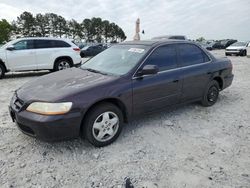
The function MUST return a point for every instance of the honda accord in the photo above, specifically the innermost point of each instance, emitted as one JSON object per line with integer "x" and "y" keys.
{"x": 126, "y": 80}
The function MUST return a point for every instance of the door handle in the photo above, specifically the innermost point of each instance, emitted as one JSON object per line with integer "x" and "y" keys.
{"x": 175, "y": 81}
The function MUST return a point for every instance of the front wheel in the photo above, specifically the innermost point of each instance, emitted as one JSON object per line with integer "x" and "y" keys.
{"x": 2, "y": 71}
{"x": 103, "y": 124}
{"x": 244, "y": 53}
{"x": 211, "y": 94}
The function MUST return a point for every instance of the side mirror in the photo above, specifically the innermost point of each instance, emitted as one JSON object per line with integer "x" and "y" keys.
{"x": 148, "y": 70}
{"x": 10, "y": 48}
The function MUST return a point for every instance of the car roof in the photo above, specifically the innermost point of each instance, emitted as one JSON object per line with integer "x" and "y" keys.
{"x": 42, "y": 38}
{"x": 155, "y": 42}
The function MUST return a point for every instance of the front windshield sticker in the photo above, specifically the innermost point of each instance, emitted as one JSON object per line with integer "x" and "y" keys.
{"x": 136, "y": 50}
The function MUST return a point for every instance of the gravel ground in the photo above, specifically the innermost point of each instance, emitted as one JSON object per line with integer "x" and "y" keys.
{"x": 190, "y": 146}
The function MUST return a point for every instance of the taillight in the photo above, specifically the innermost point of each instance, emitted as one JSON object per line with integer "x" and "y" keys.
{"x": 77, "y": 49}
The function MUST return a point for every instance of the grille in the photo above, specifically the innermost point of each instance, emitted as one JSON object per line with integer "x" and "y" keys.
{"x": 18, "y": 103}
{"x": 231, "y": 50}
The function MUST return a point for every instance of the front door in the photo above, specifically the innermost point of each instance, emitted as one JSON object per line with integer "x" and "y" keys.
{"x": 23, "y": 56}
{"x": 153, "y": 92}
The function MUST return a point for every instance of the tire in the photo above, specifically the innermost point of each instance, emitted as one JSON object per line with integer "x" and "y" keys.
{"x": 103, "y": 124}
{"x": 2, "y": 71}
{"x": 62, "y": 64}
{"x": 211, "y": 94}
{"x": 244, "y": 53}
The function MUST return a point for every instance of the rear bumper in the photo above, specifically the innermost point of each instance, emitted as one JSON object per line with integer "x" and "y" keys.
{"x": 47, "y": 128}
{"x": 228, "y": 81}
{"x": 78, "y": 64}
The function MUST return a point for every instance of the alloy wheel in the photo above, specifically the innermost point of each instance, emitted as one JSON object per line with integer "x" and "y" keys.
{"x": 63, "y": 65}
{"x": 105, "y": 126}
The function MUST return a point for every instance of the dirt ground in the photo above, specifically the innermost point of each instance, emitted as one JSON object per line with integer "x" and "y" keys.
{"x": 190, "y": 146}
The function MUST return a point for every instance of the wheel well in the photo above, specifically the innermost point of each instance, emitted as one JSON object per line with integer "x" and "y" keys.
{"x": 113, "y": 101}
{"x": 220, "y": 81}
{"x": 2, "y": 63}
{"x": 64, "y": 57}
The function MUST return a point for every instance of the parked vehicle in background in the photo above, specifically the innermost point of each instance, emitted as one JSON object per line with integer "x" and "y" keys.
{"x": 90, "y": 51}
{"x": 81, "y": 45}
{"x": 210, "y": 46}
{"x": 126, "y": 80}
{"x": 176, "y": 37}
{"x": 238, "y": 48}
{"x": 37, "y": 53}
{"x": 248, "y": 50}
{"x": 217, "y": 45}
{"x": 226, "y": 43}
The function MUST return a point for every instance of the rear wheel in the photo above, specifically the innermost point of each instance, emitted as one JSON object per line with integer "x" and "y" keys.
{"x": 103, "y": 124}
{"x": 211, "y": 94}
{"x": 2, "y": 71}
{"x": 62, "y": 64}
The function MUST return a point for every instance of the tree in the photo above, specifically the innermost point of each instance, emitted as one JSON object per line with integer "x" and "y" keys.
{"x": 106, "y": 30}
{"x": 74, "y": 29}
{"x": 50, "y": 24}
{"x": 200, "y": 39}
{"x": 87, "y": 30}
{"x": 5, "y": 31}
{"x": 26, "y": 24}
{"x": 42, "y": 25}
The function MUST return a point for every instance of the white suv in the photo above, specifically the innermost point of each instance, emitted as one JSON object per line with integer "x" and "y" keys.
{"x": 26, "y": 54}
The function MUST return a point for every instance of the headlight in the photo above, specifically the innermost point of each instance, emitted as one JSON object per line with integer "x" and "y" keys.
{"x": 49, "y": 108}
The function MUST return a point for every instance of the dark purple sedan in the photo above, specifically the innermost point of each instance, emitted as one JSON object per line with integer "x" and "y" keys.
{"x": 124, "y": 81}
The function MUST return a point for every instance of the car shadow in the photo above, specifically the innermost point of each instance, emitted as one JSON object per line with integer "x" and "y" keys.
{"x": 80, "y": 144}
{"x": 25, "y": 74}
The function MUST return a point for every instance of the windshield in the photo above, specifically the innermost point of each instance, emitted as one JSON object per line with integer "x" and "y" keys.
{"x": 239, "y": 44}
{"x": 117, "y": 60}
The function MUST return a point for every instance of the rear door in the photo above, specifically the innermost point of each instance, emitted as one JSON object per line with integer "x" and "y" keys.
{"x": 44, "y": 52}
{"x": 23, "y": 56}
{"x": 196, "y": 70}
{"x": 153, "y": 92}
{"x": 47, "y": 50}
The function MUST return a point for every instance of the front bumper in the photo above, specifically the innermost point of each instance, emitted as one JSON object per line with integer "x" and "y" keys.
{"x": 47, "y": 128}
{"x": 234, "y": 52}
{"x": 78, "y": 64}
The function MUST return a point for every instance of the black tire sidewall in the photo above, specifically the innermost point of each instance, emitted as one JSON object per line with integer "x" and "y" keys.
{"x": 2, "y": 70}
{"x": 205, "y": 101}
{"x": 90, "y": 119}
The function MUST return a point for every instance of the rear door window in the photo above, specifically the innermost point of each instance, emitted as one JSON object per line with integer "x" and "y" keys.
{"x": 164, "y": 57}
{"x": 43, "y": 44}
{"x": 191, "y": 54}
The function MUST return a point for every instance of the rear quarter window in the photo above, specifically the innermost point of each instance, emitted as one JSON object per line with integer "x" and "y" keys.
{"x": 61, "y": 44}
{"x": 191, "y": 54}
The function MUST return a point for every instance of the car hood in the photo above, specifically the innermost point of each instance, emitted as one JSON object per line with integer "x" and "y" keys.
{"x": 235, "y": 47}
{"x": 57, "y": 86}
{"x": 2, "y": 54}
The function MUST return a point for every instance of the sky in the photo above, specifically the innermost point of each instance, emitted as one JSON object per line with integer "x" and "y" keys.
{"x": 211, "y": 19}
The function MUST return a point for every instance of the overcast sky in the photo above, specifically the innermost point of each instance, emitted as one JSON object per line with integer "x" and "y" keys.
{"x": 193, "y": 18}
